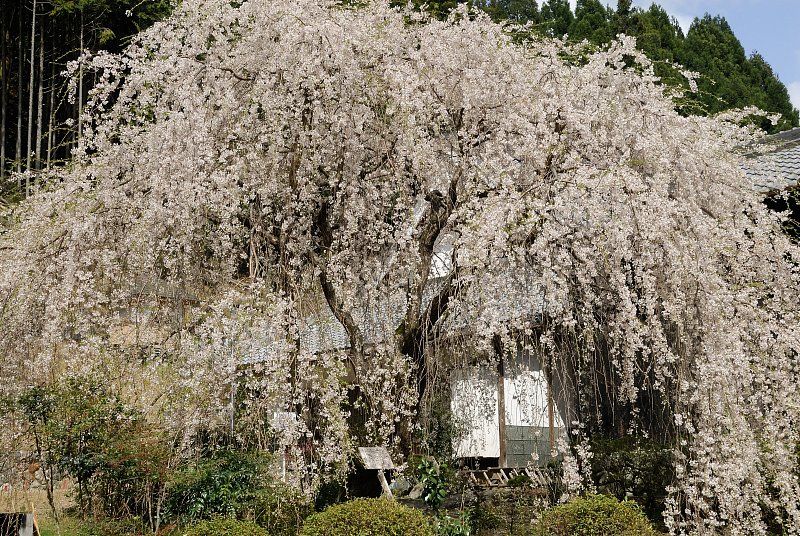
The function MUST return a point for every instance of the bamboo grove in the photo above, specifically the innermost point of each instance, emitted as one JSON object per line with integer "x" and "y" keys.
{"x": 39, "y": 124}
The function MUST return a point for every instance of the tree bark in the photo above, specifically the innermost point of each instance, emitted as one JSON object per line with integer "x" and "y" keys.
{"x": 51, "y": 113}
{"x": 28, "y": 147}
{"x": 3, "y": 98}
{"x": 40, "y": 104}
{"x": 501, "y": 401}
{"x": 18, "y": 154}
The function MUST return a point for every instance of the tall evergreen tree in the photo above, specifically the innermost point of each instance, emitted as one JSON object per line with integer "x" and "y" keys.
{"x": 772, "y": 93}
{"x": 556, "y": 17}
{"x": 623, "y": 20}
{"x": 591, "y": 22}
{"x": 657, "y": 34}
{"x": 520, "y": 11}
{"x": 712, "y": 49}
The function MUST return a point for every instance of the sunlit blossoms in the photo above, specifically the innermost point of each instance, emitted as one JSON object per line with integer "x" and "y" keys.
{"x": 259, "y": 181}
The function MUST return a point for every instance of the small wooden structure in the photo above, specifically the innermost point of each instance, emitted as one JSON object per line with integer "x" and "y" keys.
{"x": 18, "y": 524}
{"x": 498, "y": 477}
{"x": 377, "y": 458}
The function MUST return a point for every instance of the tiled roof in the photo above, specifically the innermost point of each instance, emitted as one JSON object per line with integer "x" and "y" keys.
{"x": 776, "y": 163}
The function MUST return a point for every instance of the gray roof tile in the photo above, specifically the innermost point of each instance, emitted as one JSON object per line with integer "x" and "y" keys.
{"x": 775, "y": 164}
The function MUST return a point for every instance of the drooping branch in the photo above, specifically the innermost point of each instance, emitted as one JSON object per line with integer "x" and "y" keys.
{"x": 323, "y": 229}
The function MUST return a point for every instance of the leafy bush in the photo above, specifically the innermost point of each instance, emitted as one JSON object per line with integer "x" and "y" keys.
{"x": 519, "y": 481}
{"x": 461, "y": 525}
{"x": 82, "y": 429}
{"x": 280, "y": 508}
{"x": 434, "y": 477}
{"x": 235, "y": 484}
{"x": 509, "y": 510}
{"x": 218, "y": 485}
{"x": 368, "y": 517}
{"x": 221, "y": 526}
{"x": 636, "y": 468}
{"x": 595, "y": 515}
{"x": 486, "y": 518}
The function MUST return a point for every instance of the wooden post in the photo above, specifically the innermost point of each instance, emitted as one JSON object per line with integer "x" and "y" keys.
{"x": 550, "y": 410}
{"x": 501, "y": 402}
{"x": 387, "y": 491}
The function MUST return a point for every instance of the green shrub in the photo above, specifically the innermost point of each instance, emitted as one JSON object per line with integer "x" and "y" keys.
{"x": 84, "y": 430}
{"x": 222, "y": 526}
{"x": 486, "y": 518}
{"x": 435, "y": 479}
{"x": 460, "y": 525}
{"x": 509, "y": 510}
{"x": 368, "y": 517}
{"x": 217, "y": 485}
{"x": 634, "y": 467}
{"x": 279, "y": 508}
{"x": 595, "y": 515}
{"x": 235, "y": 484}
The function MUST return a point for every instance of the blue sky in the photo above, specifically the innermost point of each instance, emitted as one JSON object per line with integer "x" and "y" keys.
{"x": 771, "y": 27}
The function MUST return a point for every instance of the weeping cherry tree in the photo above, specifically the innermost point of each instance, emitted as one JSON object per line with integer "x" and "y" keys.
{"x": 433, "y": 191}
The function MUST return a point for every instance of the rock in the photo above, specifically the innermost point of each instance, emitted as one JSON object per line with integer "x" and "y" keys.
{"x": 417, "y": 491}
{"x": 400, "y": 486}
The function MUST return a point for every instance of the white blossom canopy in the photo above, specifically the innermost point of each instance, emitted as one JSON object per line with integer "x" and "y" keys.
{"x": 252, "y": 170}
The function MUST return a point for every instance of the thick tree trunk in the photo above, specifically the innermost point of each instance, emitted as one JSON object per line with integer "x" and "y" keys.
{"x": 501, "y": 411}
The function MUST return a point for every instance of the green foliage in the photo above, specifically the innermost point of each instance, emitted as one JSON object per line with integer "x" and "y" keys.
{"x": 486, "y": 518}
{"x": 509, "y": 510}
{"x": 460, "y": 525}
{"x": 441, "y": 429}
{"x": 368, "y": 517}
{"x": 519, "y": 11}
{"x": 329, "y": 493}
{"x": 222, "y": 526}
{"x": 280, "y": 508}
{"x": 219, "y": 485}
{"x": 591, "y": 23}
{"x": 435, "y": 482}
{"x": 105, "y": 20}
{"x": 594, "y": 515}
{"x": 84, "y": 431}
{"x": 557, "y": 18}
{"x": 519, "y": 481}
{"x": 234, "y": 484}
{"x": 634, "y": 468}
{"x": 729, "y": 79}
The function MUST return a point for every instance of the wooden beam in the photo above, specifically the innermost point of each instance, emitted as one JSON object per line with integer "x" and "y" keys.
{"x": 501, "y": 403}
{"x": 550, "y": 410}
